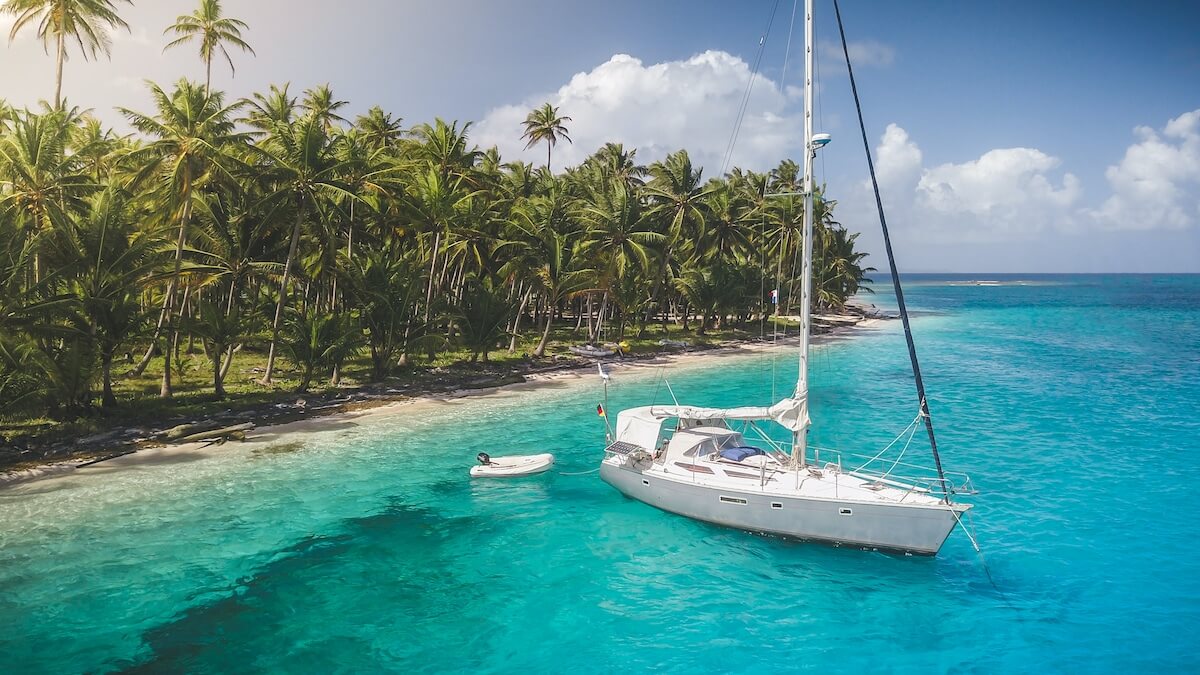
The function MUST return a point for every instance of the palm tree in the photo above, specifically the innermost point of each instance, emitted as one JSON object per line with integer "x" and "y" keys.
{"x": 220, "y": 331}
{"x": 544, "y": 124}
{"x": 482, "y": 318}
{"x": 435, "y": 201}
{"x": 378, "y": 128}
{"x": 320, "y": 102}
{"x": 213, "y": 32}
{"x": 548, "y": 244}
{"x": 619, "y": 238}
{"x": 46, "y": 185}
{"x": 385, "y": 287}
{"x": 85, "y": 21}
{"x": 444, "y": 146}
{"x": 300, "y": 160}
{"x": 275, "y": 107}
{"x": 679, "y": 207}
{"x": 320, "y": 340}
{"x": 193, "y": 145}
{"x": 109, "y": 261}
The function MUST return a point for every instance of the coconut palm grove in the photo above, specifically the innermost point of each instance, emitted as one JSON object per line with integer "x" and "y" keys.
{"x": 247, "y": 249}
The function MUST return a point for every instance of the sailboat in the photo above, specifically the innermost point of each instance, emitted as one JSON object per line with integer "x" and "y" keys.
{"x": 725, "y": 466}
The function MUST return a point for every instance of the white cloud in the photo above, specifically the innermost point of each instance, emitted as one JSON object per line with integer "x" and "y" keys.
{"x": 1155, "y": 184}
{"x": 658, "y": 108}
{"x": 137, "y": 36}
{"x": 1008, "y": 188}
{"x": 898, "y": 160}
{"x": 865, "y": 54}
{"x": 130, "y": 83}
{"x": 1003, "y": 193}
{"x": 1011, "y": 193}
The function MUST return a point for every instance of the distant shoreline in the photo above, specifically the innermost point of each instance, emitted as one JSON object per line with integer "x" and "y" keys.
{"x": 278, "y": 419}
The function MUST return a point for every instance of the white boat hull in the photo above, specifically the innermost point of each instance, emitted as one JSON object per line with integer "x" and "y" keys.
{"x": 511, "y": 467}
{"x": 907, "y": 528}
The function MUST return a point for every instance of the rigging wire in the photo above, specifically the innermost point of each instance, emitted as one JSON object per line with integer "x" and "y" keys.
{"x": 741, "y": 115}
{"x": 912, "y": 348}
{"x": 887, "y": 244}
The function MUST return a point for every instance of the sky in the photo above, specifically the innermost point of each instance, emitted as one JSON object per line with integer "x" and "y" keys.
{"x": 1015, "y": 136}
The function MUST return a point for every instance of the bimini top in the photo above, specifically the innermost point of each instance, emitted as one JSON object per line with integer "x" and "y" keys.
{"x": 641, "y": 425}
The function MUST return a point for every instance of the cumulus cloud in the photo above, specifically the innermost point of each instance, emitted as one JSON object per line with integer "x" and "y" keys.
{"x": 1155, "y": 183}
{"x": 659, "y": 108}
{"x": 898, "y": 160}
{"x": 867, "y": 53}
{"x": 1010, "y": 188}
{"x": 1003, "y": 192}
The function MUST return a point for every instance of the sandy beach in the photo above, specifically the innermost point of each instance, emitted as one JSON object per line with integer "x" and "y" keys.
{"x": 302, "y": 419}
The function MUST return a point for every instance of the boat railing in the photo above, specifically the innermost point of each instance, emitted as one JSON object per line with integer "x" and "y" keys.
{"x": 895, "y": 473}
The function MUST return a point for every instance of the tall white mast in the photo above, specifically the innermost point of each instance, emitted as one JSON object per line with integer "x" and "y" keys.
{"x": 800, "y": 438}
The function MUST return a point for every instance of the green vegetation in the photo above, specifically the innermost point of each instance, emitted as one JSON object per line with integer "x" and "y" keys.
{"x": 247, "y": 249}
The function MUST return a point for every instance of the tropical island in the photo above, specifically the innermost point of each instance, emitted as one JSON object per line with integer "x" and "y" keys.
{"x": 236, "y": 253}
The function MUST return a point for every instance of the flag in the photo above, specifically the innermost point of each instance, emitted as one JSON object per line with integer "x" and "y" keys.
{"x": 774, "y": 296}
{"x": 600, "y": 410}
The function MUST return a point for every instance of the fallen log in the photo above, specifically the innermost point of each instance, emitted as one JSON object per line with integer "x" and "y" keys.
{"x": 177, "y": 432}
{"x": 237, "y": 431}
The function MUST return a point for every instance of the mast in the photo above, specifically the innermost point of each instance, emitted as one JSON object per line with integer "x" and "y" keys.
{"x": 800, "y": 438}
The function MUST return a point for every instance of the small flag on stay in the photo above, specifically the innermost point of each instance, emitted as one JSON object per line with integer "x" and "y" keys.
{"x": 774, "y": 296}
{"x": 600, "y": 410}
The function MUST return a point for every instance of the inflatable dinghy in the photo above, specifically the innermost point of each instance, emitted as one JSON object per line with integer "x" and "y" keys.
{"x": 508, "y": 467}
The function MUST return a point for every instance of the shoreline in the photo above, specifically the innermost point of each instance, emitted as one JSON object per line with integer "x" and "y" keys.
{"x": 138, "y": 445}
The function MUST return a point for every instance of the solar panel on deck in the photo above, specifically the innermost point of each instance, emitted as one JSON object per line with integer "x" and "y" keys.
{"x": 622, "y": 448}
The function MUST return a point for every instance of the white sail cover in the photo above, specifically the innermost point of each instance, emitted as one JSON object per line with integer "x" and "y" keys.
{"x": 641, "y": 426}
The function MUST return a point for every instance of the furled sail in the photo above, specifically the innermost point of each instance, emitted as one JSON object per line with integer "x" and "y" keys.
{"x": 641, "y": 425}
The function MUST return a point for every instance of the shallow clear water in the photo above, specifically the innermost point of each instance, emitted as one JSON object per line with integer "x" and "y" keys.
{"x": 1072, "y": 403}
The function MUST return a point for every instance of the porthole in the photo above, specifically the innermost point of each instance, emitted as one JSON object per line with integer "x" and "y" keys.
{"x": 732, "y": 500}
{"x": 645, "y": 482}
{"x": 845, "y": 511}
{"x": 776, "y": 505}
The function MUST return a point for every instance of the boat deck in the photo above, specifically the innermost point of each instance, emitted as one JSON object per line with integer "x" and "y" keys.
{"x": 828, "y": 482}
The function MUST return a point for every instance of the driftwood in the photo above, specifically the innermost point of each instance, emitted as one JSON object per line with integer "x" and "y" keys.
{"x": 236, "y": 432}
{"x": 177, "y": 432}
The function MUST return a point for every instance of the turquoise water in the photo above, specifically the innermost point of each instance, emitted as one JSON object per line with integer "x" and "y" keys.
{"x": 1072, "y": 403}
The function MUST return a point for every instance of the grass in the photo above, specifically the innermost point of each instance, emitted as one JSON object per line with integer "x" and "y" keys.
{"x": 139, "y": 403}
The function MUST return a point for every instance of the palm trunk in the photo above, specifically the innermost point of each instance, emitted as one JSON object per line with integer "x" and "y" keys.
{"x": 578, "y": 317}
{"x": 658, "y": 284}
{"x": 218, "y": 373}
{"x": 306, "y": 379}
{"x": 58, "y": 69}
{"x": 108, "y": 399}
{"x": 591, "y": 324}
{"x": 599, "y": 325}
{"x": 287, "y": 274}
{"x": 512, "y": 344}
{"x": 229, "y": 352}
{"x": 541, "y": 348}
{"x": 437, "y": 242}
{"x": 168, "y": 303}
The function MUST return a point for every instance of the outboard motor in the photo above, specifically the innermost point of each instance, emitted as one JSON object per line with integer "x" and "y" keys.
{"x": 484, "y": 458}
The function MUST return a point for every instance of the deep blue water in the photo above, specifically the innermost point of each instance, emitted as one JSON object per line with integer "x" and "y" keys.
{"x": 1072, "y": 401}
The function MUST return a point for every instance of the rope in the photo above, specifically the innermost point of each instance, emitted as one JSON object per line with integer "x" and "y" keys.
{"x": 987, "y": 571}
{"x": 737, "y": 122}
{"x": 899, "y": 457}
{"x": 911, "y": 425}
{"x": 887, "y": 243}
{"x": 578, "y": 473}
